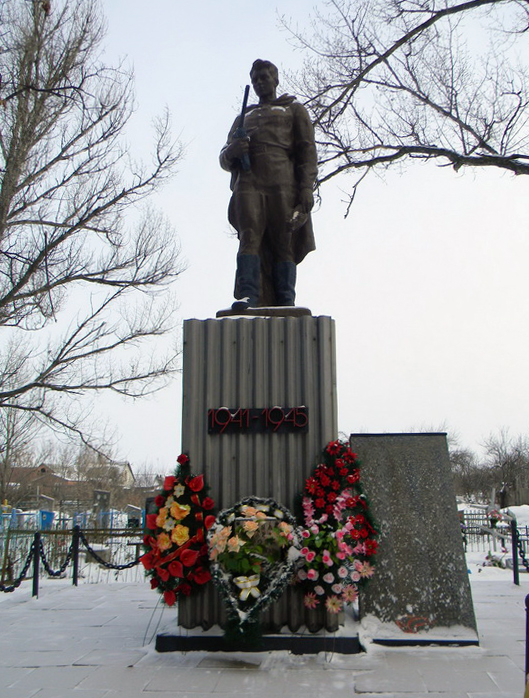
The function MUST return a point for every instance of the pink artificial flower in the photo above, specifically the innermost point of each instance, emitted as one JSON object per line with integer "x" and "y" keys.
{"x": 312, "y": 574}
{"x": 326, "y": 559}
{"x": 355, "y": 576}
{"x": 328, "y": 578}
{"x": 333, "y": 604}
{"x": 349, "y": 593}
{"x": 304, "y": 551}
{"x": 319, "y": 590}
{"x": 314, "y": 529}
{"x": 302, "y": 575}
{"x": 310, "y": 600}
{"x": 342, "y": 572}
{"x": 337, "y": 588}
{"x": 305, "y": 533}
{"x": 365, "y": 569}
{"x": 310, "y": 556}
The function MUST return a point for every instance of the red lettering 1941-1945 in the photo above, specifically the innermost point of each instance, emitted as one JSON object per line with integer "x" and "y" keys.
{"x": 223, "y": 420}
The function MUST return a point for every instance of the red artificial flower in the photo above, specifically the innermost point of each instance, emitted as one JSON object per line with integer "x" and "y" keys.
{"x": 147, "y": 560}
{"x": 176, "y": 569}
{"x": 163, "y": 574}
{"x": 182, "y": 459}
{"x": 168, "y": 483}
{"x": 159, "y": 500}
{"x": 209, "y": 521}
{"x": 184, "y": 588}
{"x": 196, "y": 483}
{"x": 325, "y": 480}
{"x": 195, "y": 499}
{"x": 329, "y": 508}
{"x": 335, "y": 485}
{"x": 353, "y": 477}
{"x": 334, "y": 448}
{"x": 208, "y": 503}
{"x": 154, "y": 583}
{"x": 319, "y": 503}
{"x": 344, "y": 472}
{"x": 371, "y": 547}
{"x": 150, "y": 540}
{"x": 200, "y": 535}
{"x": 150, "y": 521}
{"x": 311, "y": 485}
{"x": 331, "y": 497}
{"x": 189, "y": 557}
{"x": 202, "y": 576}
{"x": 349, "y": 456}
{"x": 364, "y": 532}
{"x": 199, "y": 516}
{"x": 169, "y": 597}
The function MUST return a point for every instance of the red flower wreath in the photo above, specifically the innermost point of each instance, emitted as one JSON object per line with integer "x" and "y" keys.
{"x": 177, "y": 552}
{"x": 339, "y": 534}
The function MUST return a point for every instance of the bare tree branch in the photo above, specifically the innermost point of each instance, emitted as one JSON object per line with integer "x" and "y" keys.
{"x": 70, "y": 231}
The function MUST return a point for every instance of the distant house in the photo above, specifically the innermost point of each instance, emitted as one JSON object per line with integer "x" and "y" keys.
{"x": 33, "y": 483}
{"x": 29, "y": 485}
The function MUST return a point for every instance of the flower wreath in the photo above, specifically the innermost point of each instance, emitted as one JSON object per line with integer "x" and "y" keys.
{"x": 339, "y": 535}
{"x": 253, "y": 551}
{"x": 177, "y": 552}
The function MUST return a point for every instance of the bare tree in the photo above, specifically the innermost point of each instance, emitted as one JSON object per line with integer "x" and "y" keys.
{"x": 73, "y": 242}
{"x": 508, "y": 460}
{"x": 390, "y": 80}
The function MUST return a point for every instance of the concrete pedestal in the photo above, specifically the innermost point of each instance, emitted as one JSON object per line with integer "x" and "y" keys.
{"x": 257, "y": 363}
{"x": 420, "y": 592}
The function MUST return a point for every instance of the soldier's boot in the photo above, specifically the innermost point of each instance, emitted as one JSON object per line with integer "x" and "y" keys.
{"x": 284, "y": 279}
{"x": 248, "y": 281}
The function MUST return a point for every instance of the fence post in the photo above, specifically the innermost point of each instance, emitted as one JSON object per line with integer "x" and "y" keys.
{"x": 75, "y": 554}
{"x": 36, "y": 561}
{"x": 526, "y": 638}
{"x": 514, "y": 543}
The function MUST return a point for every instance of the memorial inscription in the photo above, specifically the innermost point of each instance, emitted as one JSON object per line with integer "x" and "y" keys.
{"x": 257, "y": 420}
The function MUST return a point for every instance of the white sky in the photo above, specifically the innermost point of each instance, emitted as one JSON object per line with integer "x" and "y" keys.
{"x": 427, "y": 278}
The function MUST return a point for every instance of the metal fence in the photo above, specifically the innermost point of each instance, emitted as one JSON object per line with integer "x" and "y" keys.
{"x": 86, "y": 555}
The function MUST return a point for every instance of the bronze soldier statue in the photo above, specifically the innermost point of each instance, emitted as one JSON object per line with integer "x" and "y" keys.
{"x": 273, "y": 171}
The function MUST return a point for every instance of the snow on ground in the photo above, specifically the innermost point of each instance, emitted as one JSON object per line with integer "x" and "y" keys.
{"x": 97, "y": 641}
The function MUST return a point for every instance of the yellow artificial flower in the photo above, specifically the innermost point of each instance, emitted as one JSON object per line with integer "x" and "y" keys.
{"x": 179, "y": 490}
{"x": 235, "y": 544}
{"x": 180, "y": 534}
{"x": 250, "y": 527}
{"x": 285, "y": 528}
{"x": 164, "y": 542}
{"x": 162, "y": 515}
{"x": 179, "y": 511}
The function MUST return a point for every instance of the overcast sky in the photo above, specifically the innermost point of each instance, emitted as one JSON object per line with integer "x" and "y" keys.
{"x": 426, "y": 279}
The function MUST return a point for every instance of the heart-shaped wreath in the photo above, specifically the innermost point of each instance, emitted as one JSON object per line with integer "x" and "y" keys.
{"x": 254, "y": 548}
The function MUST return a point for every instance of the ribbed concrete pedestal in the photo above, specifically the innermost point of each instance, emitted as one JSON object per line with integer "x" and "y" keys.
{"x": 420, "y": 592}
{"x": 257, "y": 362}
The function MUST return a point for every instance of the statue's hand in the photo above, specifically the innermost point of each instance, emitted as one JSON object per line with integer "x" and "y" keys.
{"x": 237, "y": 148}
{"x": 306, "y": 200}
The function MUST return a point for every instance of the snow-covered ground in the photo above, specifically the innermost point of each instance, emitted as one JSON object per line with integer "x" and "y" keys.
{"x": 97, "y": 641}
